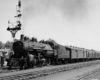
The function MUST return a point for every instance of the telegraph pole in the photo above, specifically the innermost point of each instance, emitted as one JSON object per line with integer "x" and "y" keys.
{"x": 15, "y": 28}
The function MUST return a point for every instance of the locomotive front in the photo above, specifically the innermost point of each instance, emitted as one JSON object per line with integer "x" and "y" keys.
{"x": 18, "y": 47}
{"x": 40, "y": 51}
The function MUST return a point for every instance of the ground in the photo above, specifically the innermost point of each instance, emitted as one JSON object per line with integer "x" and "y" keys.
{"x": 69, "y": 75}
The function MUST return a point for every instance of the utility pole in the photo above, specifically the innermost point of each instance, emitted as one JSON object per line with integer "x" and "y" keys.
{"x": 15, "y": 28}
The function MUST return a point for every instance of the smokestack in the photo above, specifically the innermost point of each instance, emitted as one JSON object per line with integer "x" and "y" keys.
{"x": 22, "y": 37}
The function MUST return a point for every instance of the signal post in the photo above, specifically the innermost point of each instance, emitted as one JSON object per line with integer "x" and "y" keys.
{"x": 15, "y": 28}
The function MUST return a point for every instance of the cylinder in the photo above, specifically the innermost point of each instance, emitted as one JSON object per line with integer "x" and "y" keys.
{"x": 22, "y": 37}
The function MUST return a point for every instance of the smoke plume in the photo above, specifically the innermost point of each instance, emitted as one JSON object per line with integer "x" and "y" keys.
{"x": 69, "y": 8}
{"x": 67, "y": 21}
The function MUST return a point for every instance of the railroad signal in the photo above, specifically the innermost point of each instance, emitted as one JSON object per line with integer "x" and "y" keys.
{"x": 16, "y": 27}
{"x": 19, "y": 3}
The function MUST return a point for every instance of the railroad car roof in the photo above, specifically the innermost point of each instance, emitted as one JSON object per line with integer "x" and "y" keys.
{"x": 83, "y": 49}
{"x": 76, "y": 48}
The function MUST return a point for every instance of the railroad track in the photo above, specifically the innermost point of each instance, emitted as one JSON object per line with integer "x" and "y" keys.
{"x": 44, "y": 72}
{"x": 7, "y": 71}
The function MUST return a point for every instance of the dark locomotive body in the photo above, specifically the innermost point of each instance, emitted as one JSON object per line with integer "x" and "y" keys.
{"x": 27, "y": 52}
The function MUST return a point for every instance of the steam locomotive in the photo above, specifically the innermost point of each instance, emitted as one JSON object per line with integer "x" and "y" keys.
{"x": 28, "y": 53}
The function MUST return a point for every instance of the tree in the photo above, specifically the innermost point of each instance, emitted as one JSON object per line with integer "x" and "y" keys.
{"x": 1, "y": 45}
{"x": 8, "y": 45}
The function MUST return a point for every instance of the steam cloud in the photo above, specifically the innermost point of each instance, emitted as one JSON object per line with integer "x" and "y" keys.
{"x": 69, "y": 8}
{"x": 74, "y": 20}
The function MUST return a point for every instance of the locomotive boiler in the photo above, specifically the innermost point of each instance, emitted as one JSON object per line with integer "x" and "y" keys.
{"x": 29, "y": 53}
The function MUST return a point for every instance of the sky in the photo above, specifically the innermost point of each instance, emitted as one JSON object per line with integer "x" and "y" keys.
{"x": 68, "y": 22}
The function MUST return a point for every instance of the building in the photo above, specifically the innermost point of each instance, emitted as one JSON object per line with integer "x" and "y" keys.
{"x": 3, "y": 55}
